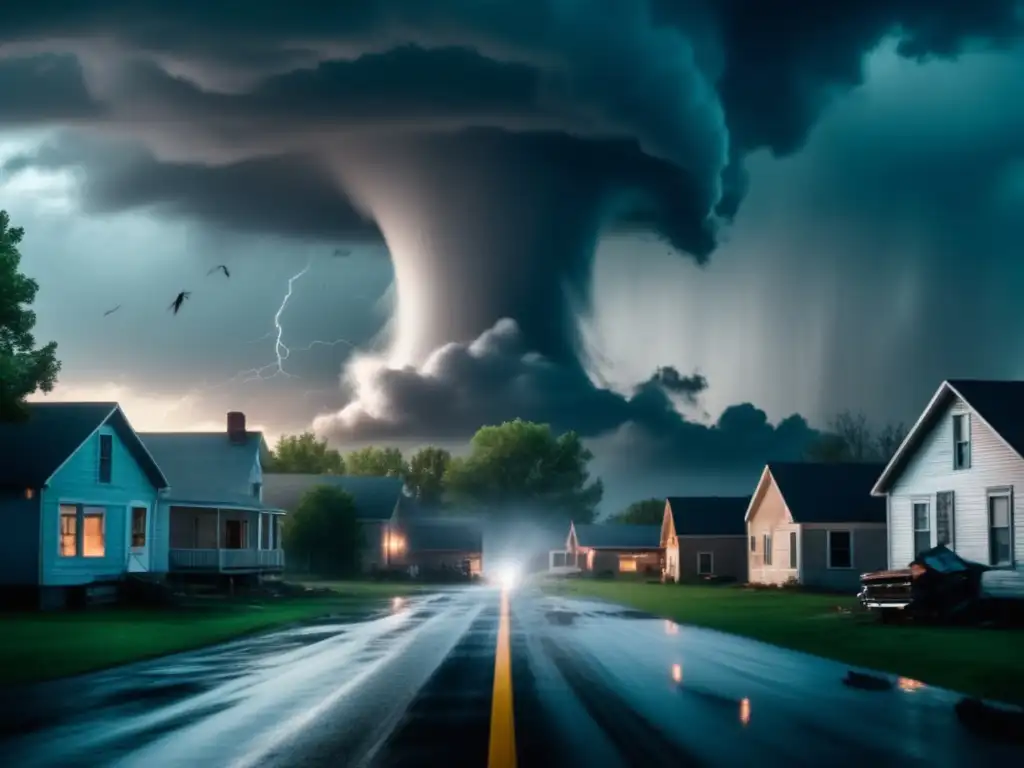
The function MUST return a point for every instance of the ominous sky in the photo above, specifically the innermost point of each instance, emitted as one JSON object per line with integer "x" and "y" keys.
{"x": 671, "y": 226}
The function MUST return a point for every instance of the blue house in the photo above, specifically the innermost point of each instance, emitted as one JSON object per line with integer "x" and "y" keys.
{"x": 78, "y": 494}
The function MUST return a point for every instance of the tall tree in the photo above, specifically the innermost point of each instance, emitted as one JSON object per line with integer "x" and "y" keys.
{"x": 323, "y": 534}
{"x": 380, "y": 462}
{"x": 524, "y": 467}
{"x": 306, "y": 454}
{"x": 23, "y": 368}
{"x": 850, "y": 438}
{"x": 425, "y": 478}
{"x": 646, "y": 512}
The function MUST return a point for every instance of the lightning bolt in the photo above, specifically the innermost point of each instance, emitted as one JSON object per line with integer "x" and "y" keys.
{"x": 282, "y": 352}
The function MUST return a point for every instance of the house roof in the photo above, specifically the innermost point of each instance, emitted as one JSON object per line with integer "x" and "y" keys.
{"x": 376, "y": 497}
{"x": 618, "y": 536}
{"x": 206, "y": 468}
{"x": 997, "y": 403}
{"x": 708, "y": 515}
{"x": 31, "y": 451}
{"x": 444, "y": 534}
{"x": 817, "y": 492}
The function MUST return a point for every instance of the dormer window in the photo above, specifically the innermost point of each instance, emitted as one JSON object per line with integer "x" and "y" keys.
{"x": 961, "y": 441}
{"x": 106, "y": 458}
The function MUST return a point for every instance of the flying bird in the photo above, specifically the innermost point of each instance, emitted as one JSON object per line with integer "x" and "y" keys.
{"x": 222, "y": 268}
{"x": 341, "y": 252}
{"x": 111, "y": 311}
{"x": 179, "y": 300}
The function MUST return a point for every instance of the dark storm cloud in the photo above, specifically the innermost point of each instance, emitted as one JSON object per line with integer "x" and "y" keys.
{"x": 44, "y": 89}
{"x": 689, "y": 387}
{"x": 462, "y": 387}
{"x": 489, "y": 142}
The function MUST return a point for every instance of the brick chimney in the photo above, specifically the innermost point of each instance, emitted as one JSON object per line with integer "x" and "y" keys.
{"x": 236, "y": 427}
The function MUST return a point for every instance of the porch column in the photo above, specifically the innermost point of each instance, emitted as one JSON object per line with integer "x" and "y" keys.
{"x": 259, "y": 531}
{"x": 219, "y": 564}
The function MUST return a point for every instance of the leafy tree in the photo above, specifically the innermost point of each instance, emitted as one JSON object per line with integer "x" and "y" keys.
{"x": 380, "y": 462}
{"x": 646, "y": 512}
{"x": 850, "y": 438}
{"x": 323, "y": 534}
{"x": 525, "y": 467}
{"x": 425, "y": 477}
{"x": 23, "y": 369}
{"x": 305, "y": 454}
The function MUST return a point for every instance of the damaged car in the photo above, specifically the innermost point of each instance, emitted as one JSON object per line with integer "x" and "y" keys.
{"x": 941, "y": 586}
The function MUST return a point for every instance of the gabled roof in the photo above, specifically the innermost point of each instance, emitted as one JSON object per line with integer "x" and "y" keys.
{"x": 441, "y": 534}
{"x": 206, "y": 468}
{"x": 376, "y": 498}
{"x": 708, "y": 515}
{"x": 999, "y": 404}
{"x": 31, "y": 451}
{"x": 618, "y": 536}
{"x": 817, "y": 492}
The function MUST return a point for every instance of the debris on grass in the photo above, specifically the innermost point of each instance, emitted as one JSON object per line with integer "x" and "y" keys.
{"x": 866, "y": 682}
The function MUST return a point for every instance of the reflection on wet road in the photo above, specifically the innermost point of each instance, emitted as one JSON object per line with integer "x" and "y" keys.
{"x": 591, "y": 685}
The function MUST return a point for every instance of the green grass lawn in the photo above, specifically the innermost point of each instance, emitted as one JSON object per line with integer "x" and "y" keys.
{"x": 46, "y": 645}
{"x": 983, "y": 662}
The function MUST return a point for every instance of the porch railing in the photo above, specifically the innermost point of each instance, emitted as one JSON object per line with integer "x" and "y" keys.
{"x": 225, "y": 559}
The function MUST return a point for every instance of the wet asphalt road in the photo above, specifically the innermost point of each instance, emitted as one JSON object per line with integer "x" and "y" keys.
{"x": 592, "y": 685}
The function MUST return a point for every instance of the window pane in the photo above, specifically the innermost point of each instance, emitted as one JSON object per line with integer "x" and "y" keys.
{"x": 753, "y": 543}
{"x": 68, "y": 545}
{"x": 704, "y": 563}
{"x": 138, "y": 526}
{"x": 999, "y": 508}
{"x": 958, "y": 428}
{"x": 839, "y": 549}
{"x": 93, "y": 544}
{"x": 1001, "y": 546}
{"x": 963, "y": 455}
{"x": 921, "y": 521}
{"x": 792, "y": 549}
{"x": 944, "y": 518}
{"x": 922, "y": 542}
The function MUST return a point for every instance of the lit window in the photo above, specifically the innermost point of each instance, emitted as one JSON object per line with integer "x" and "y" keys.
{"x": 93, "y": 542}
{"x": 68, "y": 530}
{"x": 627, "y": 564}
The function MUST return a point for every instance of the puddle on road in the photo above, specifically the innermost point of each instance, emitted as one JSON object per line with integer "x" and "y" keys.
{"x": 560, "y": 618}
{"x": 156, "y": 694}
{"x": 626, "y": 614}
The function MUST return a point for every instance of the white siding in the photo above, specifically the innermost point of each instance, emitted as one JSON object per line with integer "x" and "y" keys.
{"x": 930, "y": 470}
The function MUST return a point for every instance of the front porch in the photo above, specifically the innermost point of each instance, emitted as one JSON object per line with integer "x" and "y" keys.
{"x": 213, "y": 540}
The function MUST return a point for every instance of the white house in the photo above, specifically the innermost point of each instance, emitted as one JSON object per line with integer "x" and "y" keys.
{"x": 958, "y": 476}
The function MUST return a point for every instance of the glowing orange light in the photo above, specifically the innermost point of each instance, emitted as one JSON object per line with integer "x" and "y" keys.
{"x": 29, "y": 494}
{"x": 909, "y": 685}
{"x": 671, "y": 628}
{"x": 677, "y": 672}
{"x": 745, "y": 711}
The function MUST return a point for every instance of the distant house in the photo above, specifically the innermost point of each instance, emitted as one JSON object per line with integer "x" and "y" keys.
{"x": 615, "y": 548}
{"x": 213, "y": 519}
{"x": 704, "y": 536}
{"x": 954, "y": 479}
{"x": 816, "y": 524}
{"x": 379, "y": 501}
{"x": 433, "y": 543}
{"x": 78, "y": 495}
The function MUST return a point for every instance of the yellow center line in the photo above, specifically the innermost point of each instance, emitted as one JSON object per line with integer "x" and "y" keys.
{"x": 502, "y": 753}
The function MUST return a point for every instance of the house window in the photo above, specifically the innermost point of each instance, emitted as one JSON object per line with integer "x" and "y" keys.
{"x": 1000, "y": 529}
{"x": 922, "y": 528}
{"x": 68, "y": 530}
{"x": 792, "y": 549}
{"x": 840, "y": 549}
{"x": 753, "y": 543}
{"x": 257, "y": 490}
{"x": 767, "y": 549}
{"x": 138, "y": 527}
{"x": 705, "y": 563}
{"x": 944, "y": 518}
{"x": 962, "y": 441}
{"x": 93, "y": 533}
{"x": 106, "y": 457}
{"x": 627, "y": 564}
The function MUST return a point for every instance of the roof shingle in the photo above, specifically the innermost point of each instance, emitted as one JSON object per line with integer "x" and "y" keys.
{"x": 830, "y": 493}
{"x": 709, "y": 515}
{"x": 376, "y": 498}
{"x": 618, "y": 536}
{"x": 444, "y": 534}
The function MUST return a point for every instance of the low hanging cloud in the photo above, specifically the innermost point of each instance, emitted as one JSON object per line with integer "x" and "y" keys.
{"x": 461, "y": 387}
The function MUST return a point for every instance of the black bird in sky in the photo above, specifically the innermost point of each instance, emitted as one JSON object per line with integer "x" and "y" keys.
{"x": 111, "y": 311}
{"x": 341, "y": 252}
{"x": 222, "y": 268}
{"x": 179, "y": 300}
